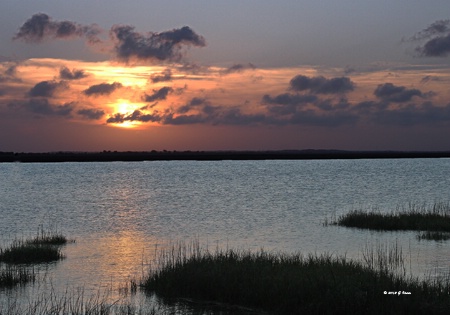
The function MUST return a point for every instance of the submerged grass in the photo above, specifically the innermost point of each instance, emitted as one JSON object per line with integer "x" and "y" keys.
{"x": 294, "y": 284}
{"x": 416, "y": 217}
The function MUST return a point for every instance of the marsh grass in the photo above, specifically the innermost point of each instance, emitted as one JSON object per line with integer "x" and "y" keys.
{"x": 416, "y": 217}
{"x": 77, "y": 301}
{"x": 12, "y": 276}
{"x": 44, "y": 237}
{"x": 24, "y": 253}
{"x": 385, "y": 257}
{"x": 295, "y": 284}
{"x": 44, "y": 247}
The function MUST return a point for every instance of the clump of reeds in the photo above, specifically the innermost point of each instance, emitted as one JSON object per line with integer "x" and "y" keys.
{"x": 44, "y": 237}
{"x": 293, "y": 284}
{"x": 44, "y": 247}
{"x": 12, "y": 276}
{"x": 25, "y": 253}
{"x": 416, "y": 217}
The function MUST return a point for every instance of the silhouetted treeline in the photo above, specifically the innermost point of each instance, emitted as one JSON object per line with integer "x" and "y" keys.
{"x": 108, "y": 156}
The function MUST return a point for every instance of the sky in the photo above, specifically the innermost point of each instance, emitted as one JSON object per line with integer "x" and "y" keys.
{"x": 224, "y": 75}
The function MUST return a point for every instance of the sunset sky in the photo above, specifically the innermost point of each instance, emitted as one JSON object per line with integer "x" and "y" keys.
{"x": 224, "y": 75}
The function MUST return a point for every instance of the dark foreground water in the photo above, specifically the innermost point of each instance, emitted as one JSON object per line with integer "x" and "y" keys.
{"x": 120, "y": 212}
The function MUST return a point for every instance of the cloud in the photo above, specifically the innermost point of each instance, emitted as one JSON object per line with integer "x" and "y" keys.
{"x": 130, "y": 44}
{"x": 43, "y": 107}
{"x": 437, "y": 37}
{"x": 239, "y": 68}
{"x": 435, "y": 47}
{"x": 284, "y": 104}
{"x": 47, "y": 88}
{"x": 193, "y": 103}
{"x": 321, "y": 85}
{"x": 102, "y": 88}
{"x": 429, "y": 78}
{"x": 9, "y": 73}
{"x": 311, "y": 117}
{"x": 40, "y": 27}
{"x": 413, "y": 114}
{"x": 165, "y": 76}
{"x": 91, "y": 114}
{"x": 436, "y": 28}
{"x": 160, "y": 94}
{"x": 66, "y": 74}
{"x": 391, "y": 93}
{"x": 137, "y": 115}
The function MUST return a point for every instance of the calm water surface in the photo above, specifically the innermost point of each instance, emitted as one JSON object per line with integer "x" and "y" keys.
{"x": 120, "y": 212}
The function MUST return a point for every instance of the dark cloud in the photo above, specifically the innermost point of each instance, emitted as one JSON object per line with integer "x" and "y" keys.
{"x": 160, "y": 94}
{"x": 165, "y": 76}
{"x": 130, "y": 44}
{"x": 334, "y": 119}
{"x": 234, "y": 116}
{"x": 40, "y": 26}
{"x": 193, "y": 103}
{"x": 322, "y": 85}
{"x": 308, "y": 109}
{"x": 102, "y": 88}
{"x": 435, "y": 47}
{"x": 137, "y": 115}
{"x": 430, "y": 78}
{"x": 437, "y": 37}
{"x": 399, "y": 94}
{"x": 437, "y": 28}
{"x": 239, "y": 68}
{"x": 184, "y": 119}
{"x": 47, "y": 88}
{"x": 217, "y": 115}
{"x": 92, "y": 114}
{"x": 192, "y": 68}
{"x": 413, "y": 114}
{"x": 284, "y": 104}
{"x": 9, "y": 74}
{"x": 66, "y": 74}
{"x": 43, "y": 107}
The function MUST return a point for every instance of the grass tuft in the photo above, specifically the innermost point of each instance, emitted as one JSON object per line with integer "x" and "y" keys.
{"x": 416, "y": 218}
{"x": 24, "y": 253}
{"x": 294, "y": 284}
{"x": 48, "y": 238}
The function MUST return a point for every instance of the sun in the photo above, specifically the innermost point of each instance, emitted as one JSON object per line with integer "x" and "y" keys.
{"x": 125, "y": 108}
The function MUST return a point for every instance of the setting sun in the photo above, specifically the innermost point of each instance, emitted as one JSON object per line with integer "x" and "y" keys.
{"x": 125, "y": 108}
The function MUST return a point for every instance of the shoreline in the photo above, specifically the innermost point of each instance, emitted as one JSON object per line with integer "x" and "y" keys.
{"x": 130, "y": 156}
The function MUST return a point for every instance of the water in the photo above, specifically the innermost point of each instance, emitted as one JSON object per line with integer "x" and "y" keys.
{"x": 120, "y": 212}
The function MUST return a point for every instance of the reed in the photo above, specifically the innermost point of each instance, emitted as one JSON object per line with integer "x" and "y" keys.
{"x": 416, "y": 217}
{"x": 25, "y": 253}
{"x": 12, "y": 276}
{"x": 44, "y": 237}
{"x": 295, "y": 284}
{"x": 75, "y": 301}
{"x": 433, "y": 235}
